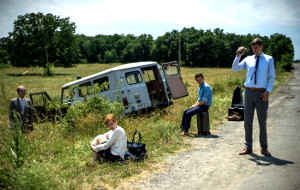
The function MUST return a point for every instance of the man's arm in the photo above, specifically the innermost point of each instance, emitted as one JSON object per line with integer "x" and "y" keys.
{"x": 11, "y": 108}
{"x": 271, "y": 73}
{"x": 197, "y": 104}
{"x": 30, "y": 112}
{"x": 237, "y": 65}
{"x": 206, "y": 94}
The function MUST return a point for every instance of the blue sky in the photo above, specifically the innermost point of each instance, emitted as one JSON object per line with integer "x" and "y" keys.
{"x": 156, "y": 17}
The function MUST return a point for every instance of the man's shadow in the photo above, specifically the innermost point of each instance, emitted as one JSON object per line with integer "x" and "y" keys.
{"x": 268, "y": 160}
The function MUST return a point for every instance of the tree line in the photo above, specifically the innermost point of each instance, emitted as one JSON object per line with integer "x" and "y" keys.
{"x": 38, "y": 40}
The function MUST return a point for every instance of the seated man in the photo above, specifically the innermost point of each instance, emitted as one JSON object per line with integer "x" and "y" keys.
{"x": 202, "y": 104}
{"x": 111, "y": 146}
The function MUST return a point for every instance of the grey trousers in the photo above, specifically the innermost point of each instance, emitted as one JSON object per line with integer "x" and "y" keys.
{"x": 252, "y": 102}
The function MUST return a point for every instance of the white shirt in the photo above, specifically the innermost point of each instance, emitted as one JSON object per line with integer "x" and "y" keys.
{"x": 22, "y": 102}
{"x": 117, "y": 141}
{"x": 265, "y": 71}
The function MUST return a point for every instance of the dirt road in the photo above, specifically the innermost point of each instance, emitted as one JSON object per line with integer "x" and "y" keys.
{"x": 215, "y": 163}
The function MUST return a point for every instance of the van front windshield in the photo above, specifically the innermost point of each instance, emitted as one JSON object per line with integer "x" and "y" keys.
{"x": 68, "y": 94}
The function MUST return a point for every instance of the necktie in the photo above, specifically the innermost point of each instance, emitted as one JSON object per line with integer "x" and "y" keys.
{"x": 256, "y": 66}
{"x": 23, "y": 105}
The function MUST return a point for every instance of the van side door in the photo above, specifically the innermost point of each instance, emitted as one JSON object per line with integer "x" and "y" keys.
{"x": 174, "y": 79}
{"x": 137, "y": 92}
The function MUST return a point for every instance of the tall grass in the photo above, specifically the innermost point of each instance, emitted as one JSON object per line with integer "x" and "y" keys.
{"x": 58, "y": 154}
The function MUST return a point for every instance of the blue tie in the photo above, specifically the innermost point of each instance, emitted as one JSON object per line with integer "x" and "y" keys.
{"x": 256, "y": 66}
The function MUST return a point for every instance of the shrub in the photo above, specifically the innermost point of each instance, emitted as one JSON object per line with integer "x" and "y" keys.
{"x": 92, "y": 105}
{"x": 233, "y": 82}
{"x": 13, "y": 147}
{"x": 166, "y": 131}
{"x": 227, "y": 85}
{"x": 15, "y": 144}
{"x": 218, "y": 86}
{"x": 285, "y": 63}
{"x": 4, "y": 65}
{"x": 48, "y": 70}
{"x": 187, "y": 84}
{"x": 83, "y": 61}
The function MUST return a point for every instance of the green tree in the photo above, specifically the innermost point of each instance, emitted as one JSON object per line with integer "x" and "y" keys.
{"x": 145, "y": 42}
{"x": 120, "y": 45}
{"x": 130, "y": 53}
{"x": 3, "y": 51}
{"x": 165, "y": 48}
{"x": 210, "y": 48}
{"x": 38, "y": 40}
{"x": 280, "y": 45}
{"x": 110, "y": 56}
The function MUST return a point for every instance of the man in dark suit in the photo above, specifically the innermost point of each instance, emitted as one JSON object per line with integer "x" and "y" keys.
{"x": 23, "y": 109}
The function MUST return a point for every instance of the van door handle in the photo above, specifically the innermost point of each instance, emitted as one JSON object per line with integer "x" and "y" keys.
{"x": 138, "y": 101}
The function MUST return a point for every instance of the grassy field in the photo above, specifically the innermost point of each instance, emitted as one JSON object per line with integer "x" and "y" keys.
{"x": 58, "y": 157}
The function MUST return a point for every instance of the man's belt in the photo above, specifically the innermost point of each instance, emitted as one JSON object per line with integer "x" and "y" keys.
{"x": 255, "y": 89}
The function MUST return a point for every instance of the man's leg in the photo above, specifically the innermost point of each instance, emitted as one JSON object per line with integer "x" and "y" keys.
{"x": 190, "y": 113}
{"x": 183, "y": 119}
{"x": 248, "y": 117}
{"x": 262, "y": 111}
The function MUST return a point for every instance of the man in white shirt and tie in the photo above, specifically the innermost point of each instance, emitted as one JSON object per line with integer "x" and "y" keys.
{"x": 259, "y": 83}
{"x": 23, "y": 109}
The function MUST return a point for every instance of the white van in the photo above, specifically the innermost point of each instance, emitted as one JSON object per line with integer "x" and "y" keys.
{"x": 138, "y": 86}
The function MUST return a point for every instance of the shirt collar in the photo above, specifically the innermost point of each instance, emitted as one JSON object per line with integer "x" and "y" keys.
{"x": 21, "y": 99}
{"x": 261, "y": 55}
{"x": 203, "y": 84}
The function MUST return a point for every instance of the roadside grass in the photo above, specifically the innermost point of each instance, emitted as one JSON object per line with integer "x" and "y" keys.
{"x": 58, "y": 155}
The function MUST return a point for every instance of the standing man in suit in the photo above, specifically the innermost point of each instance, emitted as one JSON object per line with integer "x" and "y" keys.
{"x": 23, "y": 108}
{"x": 259, "y": 83}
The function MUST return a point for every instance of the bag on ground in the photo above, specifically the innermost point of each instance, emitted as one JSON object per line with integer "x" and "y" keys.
{"x": 137, "y": 149}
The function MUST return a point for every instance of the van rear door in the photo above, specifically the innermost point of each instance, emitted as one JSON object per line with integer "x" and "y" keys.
{"x": 174, "y": 79}
{"x": 138, "y": 96}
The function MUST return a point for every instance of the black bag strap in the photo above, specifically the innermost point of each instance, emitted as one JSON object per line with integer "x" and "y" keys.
{"x": 140, "y": 137}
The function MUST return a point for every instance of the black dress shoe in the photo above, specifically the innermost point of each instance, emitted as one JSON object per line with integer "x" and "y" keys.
{"x": 265, "y": 152}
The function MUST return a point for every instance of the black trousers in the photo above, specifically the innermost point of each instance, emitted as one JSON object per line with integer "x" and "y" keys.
{"x": 107, "y": 156}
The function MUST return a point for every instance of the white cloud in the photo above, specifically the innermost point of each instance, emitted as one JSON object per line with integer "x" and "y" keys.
{"x": 114, "y": 13}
